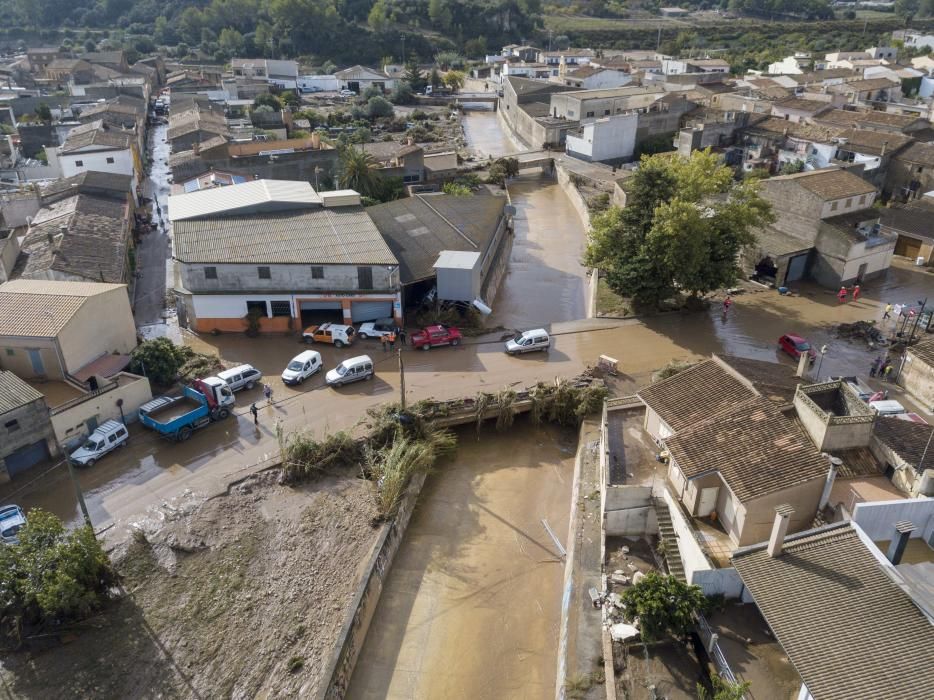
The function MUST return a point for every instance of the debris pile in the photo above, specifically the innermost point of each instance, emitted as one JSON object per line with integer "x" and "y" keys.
{"x": 861, "y": 330}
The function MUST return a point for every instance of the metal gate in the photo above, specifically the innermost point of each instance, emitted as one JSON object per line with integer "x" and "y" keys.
{"x": 796, "y": 268}
{"x": 370, "y": 310}
{"x": 26, "y": 457}
{"x": 320, "y": 306}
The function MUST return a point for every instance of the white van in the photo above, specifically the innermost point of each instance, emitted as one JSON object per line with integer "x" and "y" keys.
{"x": 302, "y": 366}
{"x": 242, "y": 377}
{"x": 529, "y": 341}
{"x": 888, "y": 407}
{"x": 352, "y": 370}
{"x": 108, "y": 436}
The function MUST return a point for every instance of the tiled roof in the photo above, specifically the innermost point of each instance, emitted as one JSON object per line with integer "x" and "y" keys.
{"x": 776, "y": 382}
{"x": 872, "y": 142}
{"x": 340, "y": 236}
{"x": 838, "y": 610}
{"x": 104, "y": 57}
{"x": 914, "y": 218}
{"x": 907, "y": 439}
{"x": 695, "y": 394}
{"x": 96, "y": 133}
{"x": 801, "y": 130}
{"x": 845, "y": 117}
{"x": 84, "y": 235}
{"x": 919, "y": 153}
{"x": 869, "y": 84}
{"x": 14, "y": 392}
{"x": 924, "y": 350}
{"x": 89, "y": 180}
{"x": 54, "y": 303}
{"x": 803, "y": 105}
{"x": 754, "y": 447}
{"x": 831, "y": 183}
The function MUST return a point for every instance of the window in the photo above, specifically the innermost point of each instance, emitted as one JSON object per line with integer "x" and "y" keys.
{"x": 210, "y": 273}
{"x": 264, "y": 273}
{"x": 833, "y": 206}
{"x": 79, "y": 163}
{"x": 110, "y": 161}
{"x": 606, "y": 112}
{"x": 11, "y": 425}
{"x": 849, "y": 203}
{"x": 256, "y": 307}
{"x": 317, "y": 272}
{"x": 10, "y": 352}
{"x": 281, "y": 308}
{"x": 570, "y": 112}
{"x": 862, "y": 199}
{"x": 365, "y": 278}
{"x": 589, "y": 114}
{"x": 920, "y": 169}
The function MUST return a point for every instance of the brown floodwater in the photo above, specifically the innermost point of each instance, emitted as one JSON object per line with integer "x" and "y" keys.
{"x": 485, "y": 135}
{"x": 471, "y": 607}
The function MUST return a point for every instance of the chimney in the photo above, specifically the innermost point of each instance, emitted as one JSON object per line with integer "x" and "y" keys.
{"x": 779, "y": 528}
{"x": 885, "y": 145}
{"x": 196, "y": 148}
{"x": 903, "y": 530}
{"x": 835, "y": 462}
{"x": 803, "y": 361}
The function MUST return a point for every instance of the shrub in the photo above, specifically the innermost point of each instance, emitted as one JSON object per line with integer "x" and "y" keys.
{"x": 52, "y": 577}
{"x": 159, "y": 359}
{"x": 456, "y": 189}
{"x": 663, "y": 605}
{"x": 379, "y": 108}
{"x": 599, "y": 202}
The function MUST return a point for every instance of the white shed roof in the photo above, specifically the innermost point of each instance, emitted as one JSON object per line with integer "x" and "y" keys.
{"x": 457, "y": 260}
{"x": 256, "y": 196}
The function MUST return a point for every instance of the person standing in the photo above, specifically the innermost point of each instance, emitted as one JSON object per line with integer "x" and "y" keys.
{"x": 855, "y": 292}
{"x": 391, "y": 337}
{"x": 267, "y": 392}
{"x": 255, "y": 413}
{"x": 384, "y": 341}
{"x": 876, "y": 364}
{"x": 841, "y": 295}
{"x": 400, "y": 333}
{"x": 887, "y": 371}
{"x": 888, "y": 312}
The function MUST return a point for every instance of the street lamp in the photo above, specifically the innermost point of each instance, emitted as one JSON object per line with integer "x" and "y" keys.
{"x": 823, "y": 351}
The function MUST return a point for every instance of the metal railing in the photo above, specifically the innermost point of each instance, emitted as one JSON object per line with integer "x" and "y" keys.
{"x": 709, "y": 640}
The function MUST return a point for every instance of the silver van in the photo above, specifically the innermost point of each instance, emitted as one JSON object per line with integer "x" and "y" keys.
{"x": 529, "y": 341}
{"x": 108, "y": 436}
{"x": 352, "y": 370}
{"x": 242, "y": 377}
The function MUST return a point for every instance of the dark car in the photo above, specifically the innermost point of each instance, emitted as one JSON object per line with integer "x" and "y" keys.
{"x": 794, "y": 345}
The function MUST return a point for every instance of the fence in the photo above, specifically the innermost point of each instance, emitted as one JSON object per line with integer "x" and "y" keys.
{"x": 709, "y": 640}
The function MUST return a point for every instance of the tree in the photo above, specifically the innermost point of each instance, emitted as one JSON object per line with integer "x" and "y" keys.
{"x": 357, "y": 170}
{"x": 792, "y": 167}
{"x": 439, "y": 13}
{"x": 379, "y": 108}
{"x": 290, "y": 99}
{"x": 231, "y": 41}
{"x": 402, "y": 94}
{"x": 907, "y": 9}
{"x": 413, "y": 76}
{"x": 434, "y": 78}
{"x": 90, "y": 45}
{"x": 44, "y": 113}
{"x": 378, "y": 18}
{"x": 455, "y": 79}
{"x": 683, "y": 227}
{"x": 52, "y": 576}
{"x": 449, "y": 59}
{"x": 663, "y": 605}
{"x": 159, "y": 359}
{"x": 269, "y": 100}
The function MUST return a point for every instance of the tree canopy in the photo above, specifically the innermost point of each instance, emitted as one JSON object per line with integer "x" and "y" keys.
{"x": 685, "y": 222}
{"x": 663, "y": 605}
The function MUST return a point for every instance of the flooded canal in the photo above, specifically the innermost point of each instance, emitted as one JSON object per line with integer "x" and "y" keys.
{"x": 471, "y": 607}
{"x": 545, "y": 282}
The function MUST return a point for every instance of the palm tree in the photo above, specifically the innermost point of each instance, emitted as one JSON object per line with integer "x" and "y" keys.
{"x": 357, "y": 170}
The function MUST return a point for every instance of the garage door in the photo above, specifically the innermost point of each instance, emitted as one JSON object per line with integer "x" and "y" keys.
{"x": 907, "y": 246}
{"x": 26, "y": 457}
{"x": 796, "y": 268}
{"x": 370, "y": 310}
{"x": 321, "y": 305}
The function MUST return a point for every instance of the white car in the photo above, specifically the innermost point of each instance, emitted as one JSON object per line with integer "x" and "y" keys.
{"x": 351, "y": 370}
{"x": 302, "y": 366}
{"x": 529, "y": 341}
{"x": 108, "y": 436}
{"x": 377, "y": 329}
{"x": 12, "y": 520}
{"x": 347, "y": 93}
{"x": 888, "y": 407}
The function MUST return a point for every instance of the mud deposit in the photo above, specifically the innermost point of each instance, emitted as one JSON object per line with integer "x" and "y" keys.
{"x": 472, "y": 604}
{"x": 241, "y": 596}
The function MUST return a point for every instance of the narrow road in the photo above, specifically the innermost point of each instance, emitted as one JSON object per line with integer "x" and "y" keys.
{"x": 154, "y": 252}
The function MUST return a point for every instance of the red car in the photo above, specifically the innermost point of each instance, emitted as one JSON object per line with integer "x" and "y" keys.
{"x": 433, "y": 336}
{"x": 794, "y": 345}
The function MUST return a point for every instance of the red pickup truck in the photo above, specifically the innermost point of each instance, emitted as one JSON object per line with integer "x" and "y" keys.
{"x": 433, "y": 336}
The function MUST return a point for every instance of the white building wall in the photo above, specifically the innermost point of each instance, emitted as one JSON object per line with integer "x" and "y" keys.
{"x": 606, "y": 79}
{"x": 876, "y": 259}
{"x": 878, "y": 519}
{"x": 123, "y": 164}
{"x": 611, "y": 138}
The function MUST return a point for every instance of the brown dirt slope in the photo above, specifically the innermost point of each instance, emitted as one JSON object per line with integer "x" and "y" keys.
{"x": 240, "y": 596}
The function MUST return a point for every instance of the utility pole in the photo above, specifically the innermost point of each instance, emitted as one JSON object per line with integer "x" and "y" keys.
{"x": 403, "y": 48}
{"x": 78, "y": 493}
{"x": 924, "y": 303}
{"x": 658, "y": 42}
{"x": 401, "y": 381}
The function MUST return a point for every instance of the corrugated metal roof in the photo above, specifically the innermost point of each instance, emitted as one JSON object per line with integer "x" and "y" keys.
{"x": 849, "y": 627}
{"x": 14, "y": 392}
{"x": 249, "y": 196}
{"x": 41, "y": 308}
{"x": 343, "y": 236}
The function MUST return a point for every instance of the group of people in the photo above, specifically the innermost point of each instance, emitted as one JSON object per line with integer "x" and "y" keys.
{"x": 267, "y": 394}
{"x": 843, "y": 293}
{"x": 882, "y": 368}
{"x": 389, "y": 339}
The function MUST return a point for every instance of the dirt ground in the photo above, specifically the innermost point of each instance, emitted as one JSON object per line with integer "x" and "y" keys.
{"x": 666, "y": 670}
{"x": 239, "y": 596}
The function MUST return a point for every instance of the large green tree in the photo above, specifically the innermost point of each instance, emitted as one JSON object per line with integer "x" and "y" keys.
{"x": 357, "y": 170}
{"x": 663, "y": 605}
{"x": 685, "y": 223}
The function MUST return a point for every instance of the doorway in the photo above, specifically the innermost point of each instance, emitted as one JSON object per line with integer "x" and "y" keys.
{"x": 35, "y": 358}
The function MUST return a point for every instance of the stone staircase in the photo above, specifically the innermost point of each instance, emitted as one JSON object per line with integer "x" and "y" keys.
{"x": 666, "y": 533}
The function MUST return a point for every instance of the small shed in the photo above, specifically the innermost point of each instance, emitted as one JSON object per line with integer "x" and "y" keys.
{"x": 458, "y": 274}
{"x": 673, "y": 12}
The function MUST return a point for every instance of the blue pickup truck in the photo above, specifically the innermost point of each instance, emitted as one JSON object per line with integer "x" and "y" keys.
{"x": 177, "y": 417}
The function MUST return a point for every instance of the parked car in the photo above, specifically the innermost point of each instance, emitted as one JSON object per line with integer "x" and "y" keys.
{"x": 529, "y": 341}
{"x": 106, "y": 437}
{"x": 794, "y": 345}
{"x": 347, "y": 93}
{"x": 12, "y": 520}
{"x": 377, "y": 329}
{"x": 888, "y": 407}
{"x": 335, "y": 333}
{"x": 351, "y": 370}
{"x": 302, "y": 366}
{"x": 242, "y": 377}
{"x": 434, "y": 336}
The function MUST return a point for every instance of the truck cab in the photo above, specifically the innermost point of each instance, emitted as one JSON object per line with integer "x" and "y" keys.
{"x": 435, "y": 336}
{"x": 216, "y": 389}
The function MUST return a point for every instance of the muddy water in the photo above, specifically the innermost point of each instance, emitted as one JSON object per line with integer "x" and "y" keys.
{"x": 545, "y": 282}
{"x": 472, "y": 603}
{"x": 484, "y": 134}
